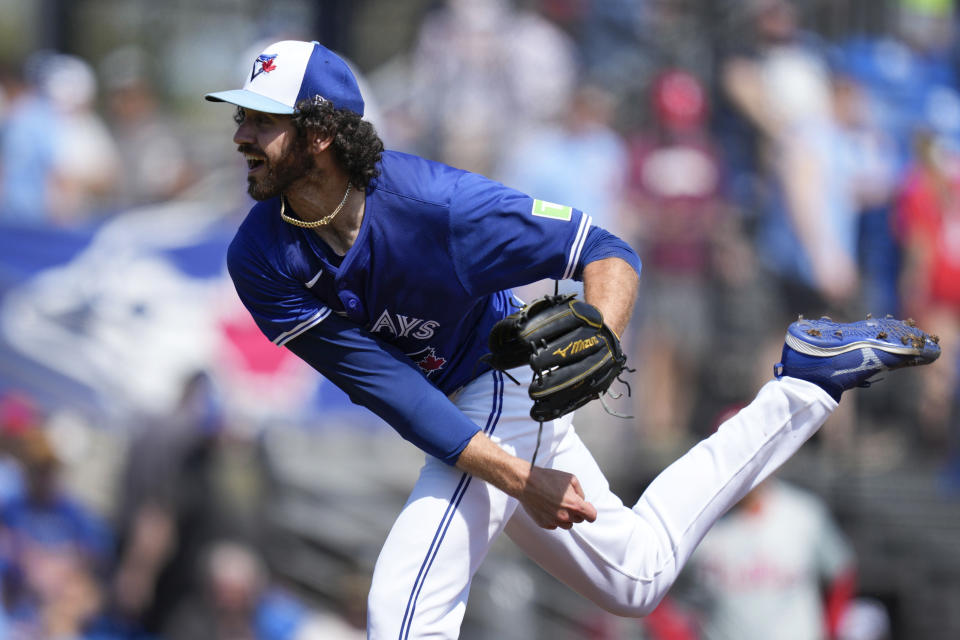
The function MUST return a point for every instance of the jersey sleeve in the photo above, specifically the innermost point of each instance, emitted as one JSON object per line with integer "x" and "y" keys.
{"x": 379, "y": 377}
{"x": 502, "y": 238}
{"x": 601, "y": 244}
{"x": 280, "y": 305}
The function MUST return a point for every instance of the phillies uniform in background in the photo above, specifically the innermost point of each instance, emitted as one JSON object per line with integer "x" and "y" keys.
{"x": 776, "y": 568}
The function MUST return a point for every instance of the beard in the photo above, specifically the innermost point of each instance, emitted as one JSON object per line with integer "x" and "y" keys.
{"x": 294, "y": 164}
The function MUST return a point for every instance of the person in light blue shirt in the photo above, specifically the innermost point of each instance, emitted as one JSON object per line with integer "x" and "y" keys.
{"x": 27, "y": 155}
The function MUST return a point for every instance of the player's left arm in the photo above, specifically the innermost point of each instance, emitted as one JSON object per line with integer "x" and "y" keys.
{"x": 501, "y": 238}
{"x": 610, "y": 270}
{"x": 610, "y": 284}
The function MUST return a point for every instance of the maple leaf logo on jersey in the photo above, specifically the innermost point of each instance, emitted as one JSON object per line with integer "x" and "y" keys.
{"x": 428, "y": 360}
{"x": 265, "y": 63}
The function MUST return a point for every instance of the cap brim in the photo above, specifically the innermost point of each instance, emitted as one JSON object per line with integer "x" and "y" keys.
{"x": 249, "y": 100}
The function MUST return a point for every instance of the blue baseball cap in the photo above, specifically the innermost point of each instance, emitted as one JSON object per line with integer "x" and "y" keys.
{"x": 289, "y": 71}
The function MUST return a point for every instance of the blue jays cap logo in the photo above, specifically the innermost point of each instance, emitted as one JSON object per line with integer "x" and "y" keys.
{"x": 263, "y": 64}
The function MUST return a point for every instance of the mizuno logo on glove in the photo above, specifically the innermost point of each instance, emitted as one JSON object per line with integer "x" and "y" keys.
{"x": 577, "y": 346}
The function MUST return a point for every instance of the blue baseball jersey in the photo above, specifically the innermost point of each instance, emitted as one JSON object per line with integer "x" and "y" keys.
{"x": 429, "y": 273}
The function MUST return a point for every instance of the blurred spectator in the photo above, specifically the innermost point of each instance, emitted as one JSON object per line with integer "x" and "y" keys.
{"x": 86, "y": 159}
{"x": 59, "y": 161}
{"x": 927, "y": 25}
{"x": 170, "y": 510}
{"x": 240, "y": 602}
{"x": 617, "y": 44}
{"x": 54, "y": 551}
{"x": 11, "y": 83}
{"x": 674, "y": 186}
{"x": 578, "y": 161}
{"x": 871, "y": 153}
{"x": 776, "y": 567}
{"x": 154, "y": 164}
{"x": 347, "y": 618}
{"x": 865, "y": 619}
{"x": 27, "y": 149}
{"x": 928, "y": 224}
{"x": 781, "y": 85}
{"x": 18, "y": 415}
{"x": 909, "y": 69}
{"x": 481, "y": 73}
{"x": 741, "y": 330}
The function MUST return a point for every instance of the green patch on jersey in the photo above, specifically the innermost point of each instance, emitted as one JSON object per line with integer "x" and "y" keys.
{"x": 546, "y": 209}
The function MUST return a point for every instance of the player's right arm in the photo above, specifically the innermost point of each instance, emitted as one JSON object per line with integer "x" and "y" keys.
{"x": 552, "y": 498}
{"x": 379, "y": 377}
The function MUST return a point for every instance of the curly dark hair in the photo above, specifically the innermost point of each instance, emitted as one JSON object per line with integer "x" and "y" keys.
{"x": 356, "y": 145}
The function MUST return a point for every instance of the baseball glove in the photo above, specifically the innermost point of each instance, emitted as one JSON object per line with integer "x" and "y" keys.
{"x": 574, "y": 355}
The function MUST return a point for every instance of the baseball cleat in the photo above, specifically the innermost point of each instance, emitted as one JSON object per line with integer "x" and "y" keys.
{"x": 840, "y": 356}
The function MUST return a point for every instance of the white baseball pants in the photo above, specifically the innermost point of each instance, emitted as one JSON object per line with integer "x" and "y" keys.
{"x": 626, "y": 561}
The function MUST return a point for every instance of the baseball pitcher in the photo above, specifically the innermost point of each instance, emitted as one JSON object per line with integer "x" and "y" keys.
{"x": 392, "y": 276}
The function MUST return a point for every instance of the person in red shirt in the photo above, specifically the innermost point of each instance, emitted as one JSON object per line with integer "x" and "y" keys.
{"x": 927, "y": 222}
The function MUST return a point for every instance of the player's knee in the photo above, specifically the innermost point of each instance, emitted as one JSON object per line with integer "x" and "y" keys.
{"x": 635, "y": 602}
{"x": 628, "y": 609}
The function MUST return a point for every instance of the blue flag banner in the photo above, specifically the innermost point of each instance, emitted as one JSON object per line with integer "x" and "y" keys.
{"x": 112, "y": 319}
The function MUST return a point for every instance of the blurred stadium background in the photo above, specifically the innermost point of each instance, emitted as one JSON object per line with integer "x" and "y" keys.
{"x": 767, "y": 158}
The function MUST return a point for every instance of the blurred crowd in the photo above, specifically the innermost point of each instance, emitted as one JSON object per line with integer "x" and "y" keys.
{"x": 79, "y": 143}
{"x": 762, "y": 167}
{"x": 762, "y": 170}
{"x": 178, "y": 555}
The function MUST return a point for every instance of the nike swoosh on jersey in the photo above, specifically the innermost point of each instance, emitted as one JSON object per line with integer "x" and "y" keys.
{"x": 310, "y": 322}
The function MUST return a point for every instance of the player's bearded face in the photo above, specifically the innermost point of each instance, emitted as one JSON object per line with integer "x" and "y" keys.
{"x": 280, "y": 173}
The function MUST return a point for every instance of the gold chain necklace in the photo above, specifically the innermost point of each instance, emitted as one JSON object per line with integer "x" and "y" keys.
{"x": 316, "y": 223}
